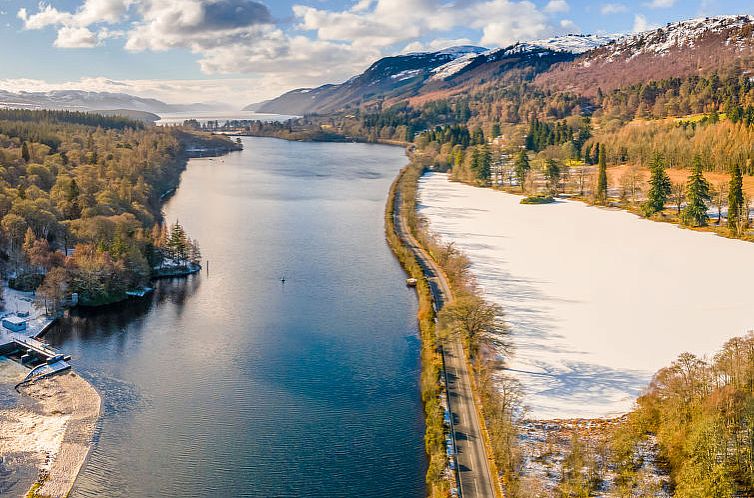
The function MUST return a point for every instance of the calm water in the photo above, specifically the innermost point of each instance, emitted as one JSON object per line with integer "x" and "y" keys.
{"x": 232, "y": 384}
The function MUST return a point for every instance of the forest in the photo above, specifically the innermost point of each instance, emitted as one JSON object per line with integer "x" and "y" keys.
{"x": 80, "y": 203}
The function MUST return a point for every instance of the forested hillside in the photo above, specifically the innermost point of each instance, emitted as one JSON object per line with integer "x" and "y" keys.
{"x": 79, "y": 197}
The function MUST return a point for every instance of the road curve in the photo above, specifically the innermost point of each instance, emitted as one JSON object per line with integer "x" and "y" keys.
{"x": 475, "y": 478}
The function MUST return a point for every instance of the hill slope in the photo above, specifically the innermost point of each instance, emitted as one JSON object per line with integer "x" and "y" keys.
{"x": 427, "y": 75}
{"x": 695, "y": 46}
{"x": 387, "y": 77}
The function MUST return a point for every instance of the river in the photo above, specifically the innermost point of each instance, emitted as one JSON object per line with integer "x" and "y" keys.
{"x": 231, "y": 383}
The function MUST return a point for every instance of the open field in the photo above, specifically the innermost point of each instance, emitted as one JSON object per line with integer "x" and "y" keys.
{"x": 597, "y": 299}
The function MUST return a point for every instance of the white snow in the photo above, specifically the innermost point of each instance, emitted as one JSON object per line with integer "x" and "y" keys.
{"x": 407, "y": 74}
{"x": 597, "y": 300}
{"x": 678, "y": 34}
{"x": 460, "y": 50}
{"x": 573, "y": 43}
{"x": 449, "y": 69}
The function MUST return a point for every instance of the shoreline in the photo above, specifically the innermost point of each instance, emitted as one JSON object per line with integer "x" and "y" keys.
{"x": 54, "y": 432}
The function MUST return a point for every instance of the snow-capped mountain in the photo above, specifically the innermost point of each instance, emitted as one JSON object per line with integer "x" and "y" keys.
{"x": 570, "y": 44}
{"x": 679, "y": 35}
{"x": 385, "y": 78}
{"x": 578, "y": 63}
{"x": 678, "y": 49}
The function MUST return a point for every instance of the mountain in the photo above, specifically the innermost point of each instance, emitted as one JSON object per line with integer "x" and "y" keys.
{"x": 680, "y": 49}
{"x": 425, "y": 76}
{"x": 80, "y": 100}
{"x": 388, "y": 77}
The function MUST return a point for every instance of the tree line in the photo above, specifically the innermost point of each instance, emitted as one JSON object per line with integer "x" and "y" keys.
{"x": 79, "y": 216}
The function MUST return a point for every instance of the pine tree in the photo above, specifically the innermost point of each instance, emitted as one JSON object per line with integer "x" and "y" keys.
{"x": 495, "y": 129}
{"x": 195, "y": 254}
{"x": 522, "y": 167}
{"x": 552, "y": 175}
{"x": 737, "y": 219}
{"x": 697, "y": 197}
{"x": 659, "y": 187}
{"x": 485, "y": 164}
{"x": 25, "y": 152}
{"x": 600, "y": 195}
{"x": 177, "y": 244}
{"x": 588, "y": 154}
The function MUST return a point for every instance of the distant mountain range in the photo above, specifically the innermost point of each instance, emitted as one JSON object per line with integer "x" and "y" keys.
{"x": 578, "y": 63}
{"x": 94, "y": 101}
{"x": 410, "y": 75}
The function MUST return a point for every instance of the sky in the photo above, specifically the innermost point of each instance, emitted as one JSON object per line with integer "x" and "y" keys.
{"x": 243, "y": 51}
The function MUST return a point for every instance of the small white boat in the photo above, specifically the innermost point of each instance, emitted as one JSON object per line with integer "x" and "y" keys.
{"x": 411, "y": 282}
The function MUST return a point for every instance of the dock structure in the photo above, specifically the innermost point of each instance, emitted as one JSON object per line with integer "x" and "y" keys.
{"x": 26, "y": 343}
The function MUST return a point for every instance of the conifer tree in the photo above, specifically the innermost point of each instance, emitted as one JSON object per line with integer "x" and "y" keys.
{"x": 697, "y": 197}
{"x": 600, "y": 195}
{"x": 659, "y": 187}
{"x": 522, "y": 167}
{"x": 25, "y": 152}
{"x": 495, "y": 129}
{"x": 177, "y": 244}
{"x": 737, "y": 219}
{"x": 552, "y": 175}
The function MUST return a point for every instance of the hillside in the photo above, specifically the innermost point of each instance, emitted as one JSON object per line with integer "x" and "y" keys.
{"x": 681, "y": 49}
{"x": 427, "y": 76}
{"x": 389, "y": 76}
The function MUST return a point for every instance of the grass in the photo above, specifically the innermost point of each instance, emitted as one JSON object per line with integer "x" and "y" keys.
{"x": 434, "y": 435}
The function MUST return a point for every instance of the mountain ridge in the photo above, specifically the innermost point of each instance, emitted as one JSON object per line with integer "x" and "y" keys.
{"x": 83, "y": 100}
{"x": 578, "y": 63}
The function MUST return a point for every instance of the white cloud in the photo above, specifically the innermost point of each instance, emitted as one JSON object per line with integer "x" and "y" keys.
{"x": 435, "y": 45}
{"x": 72, "y": 37}
{"x": 660, "y": 4}
{"x": 90, "y": 12}
{"x": 556, "y": 6}
{"x": 320, "y": 45}
{"x": 613, "y": 8}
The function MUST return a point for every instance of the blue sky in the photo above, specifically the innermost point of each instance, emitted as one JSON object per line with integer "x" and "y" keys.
{"x": 246, "y": 50}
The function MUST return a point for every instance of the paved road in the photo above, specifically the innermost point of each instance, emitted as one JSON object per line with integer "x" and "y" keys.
{"x": 474, "y": 471}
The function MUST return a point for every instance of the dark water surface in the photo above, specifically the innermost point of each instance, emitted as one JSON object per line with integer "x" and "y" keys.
{"x": 230, "y": 383}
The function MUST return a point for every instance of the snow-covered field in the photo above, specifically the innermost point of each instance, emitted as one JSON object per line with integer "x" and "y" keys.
{"x": 597, "y": 300}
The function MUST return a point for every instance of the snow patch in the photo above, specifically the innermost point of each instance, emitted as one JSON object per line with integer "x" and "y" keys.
{"x": 682, "y": 34}
{"x": 597, "y": 300}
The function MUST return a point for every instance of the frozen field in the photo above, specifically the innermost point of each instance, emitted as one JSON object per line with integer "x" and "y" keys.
{"x": 597, "y": 300}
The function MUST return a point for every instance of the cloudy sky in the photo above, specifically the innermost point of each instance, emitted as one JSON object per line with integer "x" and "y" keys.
{"x": 242, "y": 51}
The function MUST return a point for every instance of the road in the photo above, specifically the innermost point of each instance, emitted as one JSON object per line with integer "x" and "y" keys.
{"x": 476, "y": 480}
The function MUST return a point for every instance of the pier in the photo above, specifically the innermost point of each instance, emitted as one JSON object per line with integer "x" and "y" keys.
{"x": 43, "y": 359}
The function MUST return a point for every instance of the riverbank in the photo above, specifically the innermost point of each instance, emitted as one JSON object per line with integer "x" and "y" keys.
{"x": 438, "y": 479}
{"x": 53, "y": 431}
